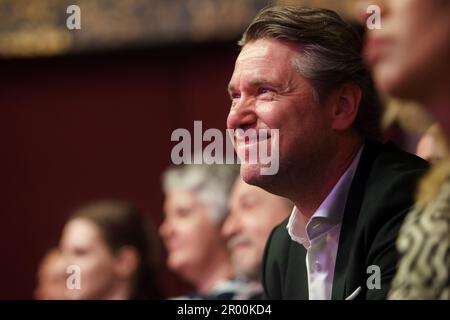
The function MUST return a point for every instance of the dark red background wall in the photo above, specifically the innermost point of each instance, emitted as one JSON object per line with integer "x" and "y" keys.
{"x": 80, "y": 128}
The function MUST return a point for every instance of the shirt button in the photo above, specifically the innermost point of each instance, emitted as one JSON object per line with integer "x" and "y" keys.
{"x": 317, "y": 266}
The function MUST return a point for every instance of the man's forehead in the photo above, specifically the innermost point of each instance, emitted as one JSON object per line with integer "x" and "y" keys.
{"x": 263, "y": 61}
{"x": 242, "y": 189}
{"x": 258, "y": 49}
{"x": 267, "y": 49}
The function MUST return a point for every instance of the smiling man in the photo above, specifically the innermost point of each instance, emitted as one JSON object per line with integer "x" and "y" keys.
{"x": 300, "y": 71}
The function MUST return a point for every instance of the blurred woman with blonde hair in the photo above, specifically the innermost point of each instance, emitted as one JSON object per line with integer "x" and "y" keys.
{"x": 409, "y": 56}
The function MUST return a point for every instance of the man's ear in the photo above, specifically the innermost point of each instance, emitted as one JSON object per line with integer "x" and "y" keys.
{"x": 346, "y": 106}
{"x": 126, "y": 262}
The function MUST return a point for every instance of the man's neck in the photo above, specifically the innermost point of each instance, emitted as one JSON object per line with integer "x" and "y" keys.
{"x": 313, "y": 193}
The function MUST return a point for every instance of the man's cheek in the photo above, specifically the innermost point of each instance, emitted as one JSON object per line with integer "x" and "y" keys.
{"x": 265, "y": 108}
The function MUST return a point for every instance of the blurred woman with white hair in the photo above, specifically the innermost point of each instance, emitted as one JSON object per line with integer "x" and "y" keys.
{"x": 195, "y": 208}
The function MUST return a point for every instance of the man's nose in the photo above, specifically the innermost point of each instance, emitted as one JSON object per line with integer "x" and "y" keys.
{"x": 230, "y": 227}
{"x": 242, "y": 115}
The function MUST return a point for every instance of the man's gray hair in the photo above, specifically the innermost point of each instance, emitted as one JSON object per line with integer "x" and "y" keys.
{"x": 331, "y": 55}
{"x": 210, "y": 184}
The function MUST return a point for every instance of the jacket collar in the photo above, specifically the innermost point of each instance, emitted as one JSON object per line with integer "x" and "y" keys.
{"x": 350, "y": 219}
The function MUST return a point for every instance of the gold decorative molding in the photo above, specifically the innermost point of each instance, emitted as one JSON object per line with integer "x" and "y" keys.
{"x": 38, "y": 27}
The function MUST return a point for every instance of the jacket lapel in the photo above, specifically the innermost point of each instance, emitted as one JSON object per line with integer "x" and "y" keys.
{"x": 350, "y": 218}
{"x": 297, "y": 281}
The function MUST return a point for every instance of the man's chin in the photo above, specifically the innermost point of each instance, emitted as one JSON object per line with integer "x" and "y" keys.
{"x": 251, "y": 174}
{"x": 175, "y": 264}
{"x": 248, "y": 271}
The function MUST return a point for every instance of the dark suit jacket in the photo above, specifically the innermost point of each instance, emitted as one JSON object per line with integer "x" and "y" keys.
{"x": 380, "y": 196}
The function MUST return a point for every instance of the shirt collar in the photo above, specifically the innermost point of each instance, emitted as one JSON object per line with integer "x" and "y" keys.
{"x": 329, "y": 213}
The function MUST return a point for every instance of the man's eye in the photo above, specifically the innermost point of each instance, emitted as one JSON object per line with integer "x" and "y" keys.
{"x": 184, "y": 212}
{"x": 248, "y": 205}
{"x": 234, "y": 96}
{"x": 79, "y": 252}
{"x": 265, "y": 90}
{"x": 249, "y": 202}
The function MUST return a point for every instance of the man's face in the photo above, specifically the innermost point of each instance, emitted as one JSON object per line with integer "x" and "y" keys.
{"x": 253, "y": 214}
{"x": 267, "y": 92}
{"x": 410, "y": 52}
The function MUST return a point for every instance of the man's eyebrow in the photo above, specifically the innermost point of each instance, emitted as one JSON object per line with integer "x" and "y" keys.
{"x": 254, "y": 83}
{"x": 260, "y": 81}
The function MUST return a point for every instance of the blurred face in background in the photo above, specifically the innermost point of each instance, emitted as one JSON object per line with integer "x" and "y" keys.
{"x": 51, "y": 277}
{"x": 410, "y": 53}
{"x": 189, "y": 234}
{"x": 83, "y": 245}
{"x": 253, "y": 214}
{"x": 432, "y": 146}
